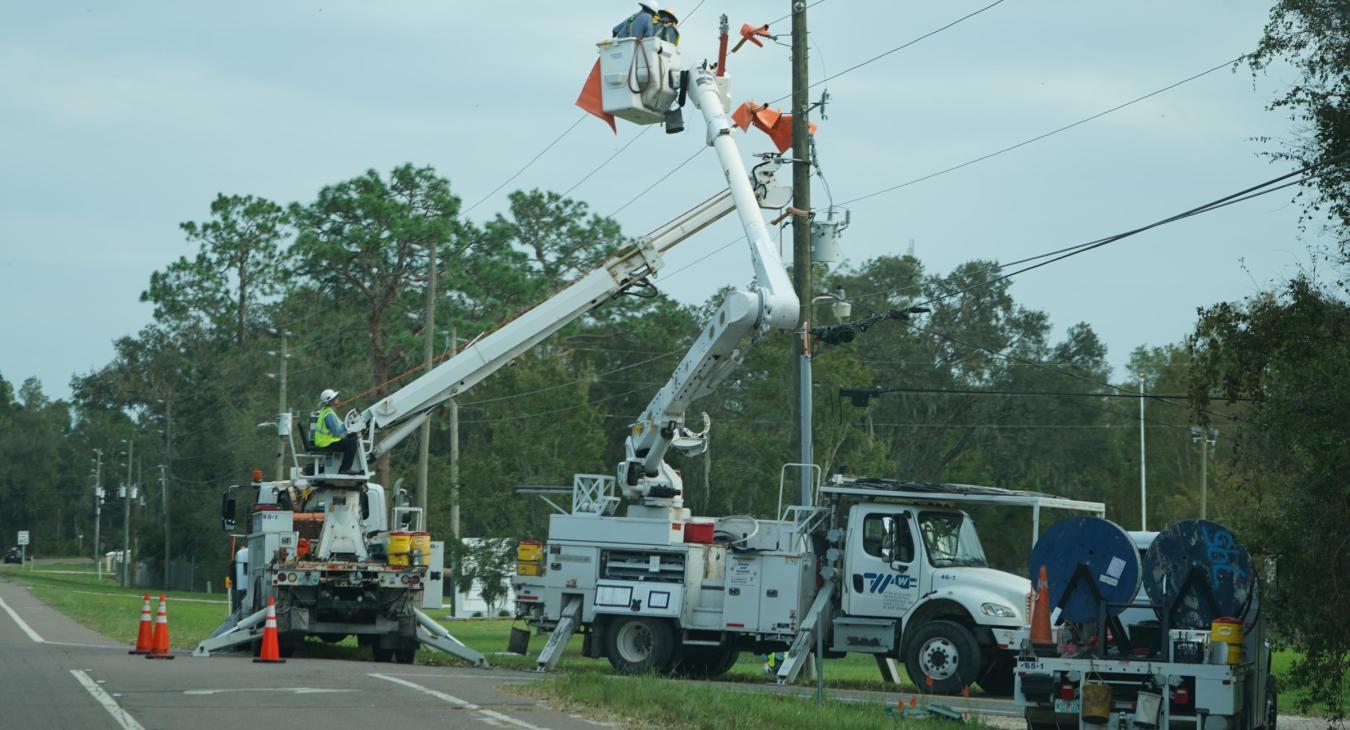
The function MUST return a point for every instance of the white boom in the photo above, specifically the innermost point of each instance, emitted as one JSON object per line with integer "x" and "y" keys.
{"x": 401, "y": 413}
{"x": 770, "y": 304}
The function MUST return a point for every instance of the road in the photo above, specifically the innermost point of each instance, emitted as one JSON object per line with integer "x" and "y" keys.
{"x": 57, "y": 674}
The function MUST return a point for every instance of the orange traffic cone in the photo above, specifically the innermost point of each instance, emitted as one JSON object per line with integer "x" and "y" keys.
{"x": 160, "y": 648}
{"x": 145, "y": 638}
{"x": 271, "y": 651}
{"x": 1041, "y": 636}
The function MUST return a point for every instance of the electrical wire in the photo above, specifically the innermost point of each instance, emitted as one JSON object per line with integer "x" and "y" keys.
{"x": 1051, "y": 133}
{"x": 789, "y": 15}
{"x": 900, "y": 47}
{"x": 608, "y": 160}
{"x": 660, "y": 180}
{"x": 873, "y": 392}
{"x": 526, "y": 166}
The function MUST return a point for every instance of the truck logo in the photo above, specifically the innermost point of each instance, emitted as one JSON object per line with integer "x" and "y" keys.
{"x": 879, "y": 582}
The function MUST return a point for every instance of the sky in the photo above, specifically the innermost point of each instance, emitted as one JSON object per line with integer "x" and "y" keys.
{"x": 118, "y": 121}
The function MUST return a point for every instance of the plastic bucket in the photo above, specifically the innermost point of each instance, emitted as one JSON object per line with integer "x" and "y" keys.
{"x": 399, "y": 544}
{"x": 529, "y": 558}
{"x": 1228, "y": 632}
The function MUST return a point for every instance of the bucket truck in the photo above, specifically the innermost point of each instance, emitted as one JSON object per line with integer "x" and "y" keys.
{"x": 319, "y": 542}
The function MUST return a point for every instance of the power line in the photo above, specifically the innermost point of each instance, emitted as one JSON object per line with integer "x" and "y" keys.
{"x": 658, "y": 182}
{"x": 592, "y": 378}
{"x": 1051, "y": 133}
{"x": 873, "y": 392}
{"x": 608, "y": 160}
{"x": 789, "y": 15}
{"x": 526, "y": 166}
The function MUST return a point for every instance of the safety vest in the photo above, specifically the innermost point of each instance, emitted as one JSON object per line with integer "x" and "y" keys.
{"x": 322, "y": 436}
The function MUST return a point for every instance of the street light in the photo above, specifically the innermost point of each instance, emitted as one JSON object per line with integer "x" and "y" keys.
{"x": 1205, "y": 439}
{"x": 841, "y": 308}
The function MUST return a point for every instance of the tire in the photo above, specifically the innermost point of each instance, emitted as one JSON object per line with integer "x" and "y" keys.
{"x": 706, "y": 662}
{"x": 946, "y": 652}
{"x": 381, "y": 654}
{"x": 405, "y": 654}
{"x": 1272, "y": 709}
{"x": 998, "y": 677}
{"x": 640, "y": 645}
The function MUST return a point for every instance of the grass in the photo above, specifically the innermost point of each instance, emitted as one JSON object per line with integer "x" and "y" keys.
{"x": 652, "y": 702}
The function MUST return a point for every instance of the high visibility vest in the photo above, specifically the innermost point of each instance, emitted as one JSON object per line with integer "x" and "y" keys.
{"x": 322, "y": 436}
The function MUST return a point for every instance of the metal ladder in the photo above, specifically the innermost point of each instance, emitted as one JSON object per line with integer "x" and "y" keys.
{"x": 803, "y": 647}
{"x": 435, "y": 636}
{"x": 568, "y": 621}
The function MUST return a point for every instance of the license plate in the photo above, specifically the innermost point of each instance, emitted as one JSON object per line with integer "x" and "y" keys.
{"x": 1067, "y": 707}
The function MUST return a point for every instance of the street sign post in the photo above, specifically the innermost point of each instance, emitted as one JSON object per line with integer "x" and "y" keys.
{"x": 23, "y": 547}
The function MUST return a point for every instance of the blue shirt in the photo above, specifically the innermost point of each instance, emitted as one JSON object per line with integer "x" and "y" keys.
{"x": 638, "y": 25}
{"x": 335, "y": 426}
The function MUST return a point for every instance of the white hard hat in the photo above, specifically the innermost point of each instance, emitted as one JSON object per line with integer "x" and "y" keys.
{"x": 327, "y": 396}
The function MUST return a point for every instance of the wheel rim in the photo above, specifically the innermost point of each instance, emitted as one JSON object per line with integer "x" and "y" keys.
{"x": 938, "y": 658}
{"x": 635, "y": 642}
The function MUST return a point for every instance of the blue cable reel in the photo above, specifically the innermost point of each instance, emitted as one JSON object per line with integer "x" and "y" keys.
{"x": 1087, "y": 560}
{"x": 1197, "y": 571}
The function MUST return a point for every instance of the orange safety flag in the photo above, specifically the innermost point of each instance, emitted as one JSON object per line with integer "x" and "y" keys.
{"x": 777, "y": 125}
{"x": 590, "y": 98}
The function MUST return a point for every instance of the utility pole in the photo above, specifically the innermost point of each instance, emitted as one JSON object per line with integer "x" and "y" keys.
{"x": 1205, "y": 438}
{"x": 126, "y": 518}
{"x": 1143, "y": 471}
{"x": 454, "y": 482}
{"x": 424, "y": 451}
{"x": 801, "y": 240}
{"x": 164, "y": 503}
{"x": 98, "y": 511}
{"x": 282, "y": 412}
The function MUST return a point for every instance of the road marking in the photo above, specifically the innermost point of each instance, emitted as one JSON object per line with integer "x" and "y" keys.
{"x": 22, "y": 624}
{"x": 119, "y": 715}
{"x": 293, "y": 690}
{"x": 492, "y": 717}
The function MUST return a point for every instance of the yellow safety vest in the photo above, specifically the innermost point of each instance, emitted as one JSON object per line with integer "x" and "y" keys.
{"x": 322, "y": 436}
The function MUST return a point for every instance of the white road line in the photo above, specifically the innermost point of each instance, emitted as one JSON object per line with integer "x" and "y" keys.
{"x": 492, "y": 717}
{"x": 22, "y": 624}
{"x": 119, "y": 715}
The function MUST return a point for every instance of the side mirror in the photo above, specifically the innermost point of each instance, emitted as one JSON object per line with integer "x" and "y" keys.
{"x": 227, "y": 510}
{"x": 365, "y": 506}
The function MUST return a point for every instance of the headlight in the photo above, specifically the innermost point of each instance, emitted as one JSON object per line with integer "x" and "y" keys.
{"x": 998, "y": 610}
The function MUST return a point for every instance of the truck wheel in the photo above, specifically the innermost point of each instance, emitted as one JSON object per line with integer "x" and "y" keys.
{"x": 381, "y": 654}
{"x": 946, "y": 653}
{"x": 706, "y": 662}
{"x": 640, "y": 645}
{"x": 1272, "y": 703}
{"x": 405, "y": 656}
{"x": 998, "y": 676}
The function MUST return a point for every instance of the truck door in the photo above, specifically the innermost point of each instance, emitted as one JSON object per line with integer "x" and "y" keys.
{"x": 883, "y": 567}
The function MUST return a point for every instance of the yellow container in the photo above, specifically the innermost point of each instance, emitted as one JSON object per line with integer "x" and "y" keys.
{"x": 419, "y": 543}
{"x": 529, "y": 558}
{"x": 1096, "y": 702}
{"x": 399, "y": 544}
{"x": 1227, "y": 631}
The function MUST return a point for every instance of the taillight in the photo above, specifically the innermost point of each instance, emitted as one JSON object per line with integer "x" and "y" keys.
{"x": 1068, "y": 691}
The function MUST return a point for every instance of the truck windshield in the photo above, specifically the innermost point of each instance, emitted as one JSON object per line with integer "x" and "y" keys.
{"x": 951, "y": 540}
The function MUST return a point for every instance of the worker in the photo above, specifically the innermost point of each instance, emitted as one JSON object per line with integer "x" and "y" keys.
{"x": 331, "y": 435}
{"x": 641, "y": 24}
{"x": 667, "y": 26}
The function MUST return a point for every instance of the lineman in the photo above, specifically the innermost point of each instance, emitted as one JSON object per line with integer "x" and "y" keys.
{"x": 330, "y": 435}
{"x": 668, "y": 26}
{"x": 641, "y": 24}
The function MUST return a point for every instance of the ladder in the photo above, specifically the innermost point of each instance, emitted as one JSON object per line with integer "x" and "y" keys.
{"x": 568, "y": 621}
{"x": 803, "y": 646}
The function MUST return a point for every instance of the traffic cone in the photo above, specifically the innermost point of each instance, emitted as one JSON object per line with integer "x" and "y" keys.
{"x": 160, "y": 647}
{"x": 1041, "y": 636}
{"x": 145, "y": 638}
{"x": 271, "y": 651}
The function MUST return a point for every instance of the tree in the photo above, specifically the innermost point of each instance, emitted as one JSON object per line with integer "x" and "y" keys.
{"x": 1287, "y": 489}
{"x": 237, "y": 265}
{"x": 1314, "y": 36}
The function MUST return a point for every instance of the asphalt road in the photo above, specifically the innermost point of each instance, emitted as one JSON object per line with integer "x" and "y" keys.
{"x": 57, "y": 674}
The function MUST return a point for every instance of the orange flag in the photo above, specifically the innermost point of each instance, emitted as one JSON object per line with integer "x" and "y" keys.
{"x": 590, "y": 98}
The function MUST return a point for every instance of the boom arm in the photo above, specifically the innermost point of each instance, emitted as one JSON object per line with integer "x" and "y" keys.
{"x": 402, "y": 412}
{"x": 771, "y": 304}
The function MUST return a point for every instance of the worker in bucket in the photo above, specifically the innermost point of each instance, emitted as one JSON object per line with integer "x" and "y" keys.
{"x": 331, "y": 435}
{"x": 641, "y": 24}
{"x": 668, "y": 26}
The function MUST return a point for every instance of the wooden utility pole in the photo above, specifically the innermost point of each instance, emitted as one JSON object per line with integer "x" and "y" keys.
{"x": 424, "y": 452}
{"x": 801, "y": 239}
{"x": 164, "y": 505}
{"x": 126, "y": 518}
{"x": 282, "y": 413}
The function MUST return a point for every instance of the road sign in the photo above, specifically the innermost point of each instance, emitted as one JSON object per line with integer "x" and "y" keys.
{"x": 23, "y": 537}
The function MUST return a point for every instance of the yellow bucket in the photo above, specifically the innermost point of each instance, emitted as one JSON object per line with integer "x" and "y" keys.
{"x": 399, "y": 544}
{"x": 1227, "y": 631}
{"x": 1096, "y": 702}
{"x": 420, "y": 543}
{"x": 529, "y": 558}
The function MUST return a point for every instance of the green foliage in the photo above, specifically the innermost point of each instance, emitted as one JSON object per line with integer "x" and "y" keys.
{"x": 1286, "y": 493}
